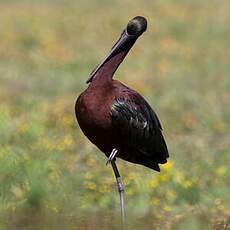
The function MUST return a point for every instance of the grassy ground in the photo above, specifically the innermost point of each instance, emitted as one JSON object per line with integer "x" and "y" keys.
{"x": 51, "y": 177}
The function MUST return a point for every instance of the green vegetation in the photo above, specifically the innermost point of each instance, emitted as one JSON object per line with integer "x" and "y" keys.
{"x": 51, "y": 177}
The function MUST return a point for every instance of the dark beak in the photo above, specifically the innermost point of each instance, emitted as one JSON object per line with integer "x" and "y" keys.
{"x": 118, "y": 47}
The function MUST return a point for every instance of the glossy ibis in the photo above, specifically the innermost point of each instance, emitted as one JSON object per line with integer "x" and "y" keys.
{"x": 117, "y": 119}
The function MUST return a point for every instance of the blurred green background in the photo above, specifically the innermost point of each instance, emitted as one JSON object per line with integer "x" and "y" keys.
{"x": 51, "y": 177}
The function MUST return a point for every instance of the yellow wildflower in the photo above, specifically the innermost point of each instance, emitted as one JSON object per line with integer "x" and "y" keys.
{"x": 84, "y": 202}
{"x": 179, "y": 176}
{"x": 4, "y": 151}
{"x": 91, "y": 161}
{"x": 55, "y": 173}
{"x": 153, "y": 183}
{"x": 168, "y": 166}
{"x": 187, "y": 184}
{"x": 133, "y": 176}
{"x": 167, "y": 208}
{"x": 155, "y": 201}
{"x": 221, "y": 170}
{"x": 164, "y": 177}
{"x": 54, "y": 209}
{"x": 55, "y": 176}
{"x": 50, "y": 146}
{"x": 90, "y": 185}
{"x": 66, "y": 143}
{"x": 23, "y": 128}
{"x": 103, "y": 188}
{"x": 129, "y": 191}
{"x": 171, "y": 195}
{"x": 217, "y": 201}
{"x": 88, "y": 175}
{"x": 68, "y": 120}
{"x": 17, "y": 191}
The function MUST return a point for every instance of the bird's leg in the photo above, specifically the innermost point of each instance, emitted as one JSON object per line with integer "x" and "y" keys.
{"x": 112, "y": 156}
{"x": 121, "y": 191}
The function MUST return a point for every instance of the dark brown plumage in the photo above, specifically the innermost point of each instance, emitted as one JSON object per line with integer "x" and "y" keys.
{"x": 112, "y": 115}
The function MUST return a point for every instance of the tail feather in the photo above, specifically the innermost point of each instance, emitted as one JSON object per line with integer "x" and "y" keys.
{"x": 161, "y": 149}
{"x": 151, "y": 164}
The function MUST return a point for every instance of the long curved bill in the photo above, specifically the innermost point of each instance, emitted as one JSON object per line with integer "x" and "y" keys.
{"x": 119, "y": 45}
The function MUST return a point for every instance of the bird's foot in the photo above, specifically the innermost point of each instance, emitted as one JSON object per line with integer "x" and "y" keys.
{"x": 112, "y": 156}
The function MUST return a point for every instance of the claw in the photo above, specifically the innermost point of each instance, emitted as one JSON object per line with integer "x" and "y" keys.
{"x": 112, "y": 156}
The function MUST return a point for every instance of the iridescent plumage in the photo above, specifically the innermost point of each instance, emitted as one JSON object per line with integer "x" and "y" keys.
{"x": 114, "y": 116}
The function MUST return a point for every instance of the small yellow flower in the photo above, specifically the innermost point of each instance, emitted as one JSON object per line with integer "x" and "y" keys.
{"x": 4, "y": 151}
{"x": 129, "y": 191}
{"x": 164, "y": 177}
{"x": 50, "y": 146}
{"x": 167, "y": 208}
{"x": 17, "y": 191}
{"x": 187, "y": 184}
{"x": 220, "y": 207}
{"x": 90, "y": 185}
{"x": 66, "y": 143}
{"x": 55, "y": 177}
{"x": 179, "y": 176}
{"x": 23, "y": 128}
{"x": 133, "y": 176}
{"x": 103, "y": 188}
{"x": 171, "y": 195}
{"x": 155, "y": 201}
{"x": 221, "y": 170}
{"x": 68, "y": 120}
{"x": 88, "y": 175}
{"x": 168, "y": 166}
{"x": 217, "y": 201}
{"x": 153, "y": 183}
{"x": 55, "y": 209}
{"x": 91, "y": 162}
{"x": 84, "y": 202}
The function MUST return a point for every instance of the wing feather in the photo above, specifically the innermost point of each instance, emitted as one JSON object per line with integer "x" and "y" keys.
{"x": 139, "y": 127}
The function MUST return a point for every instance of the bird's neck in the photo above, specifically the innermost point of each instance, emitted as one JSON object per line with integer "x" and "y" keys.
{"x": 106, "y": 72}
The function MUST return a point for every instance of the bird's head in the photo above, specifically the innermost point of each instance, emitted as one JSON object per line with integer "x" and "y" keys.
{"x": 135, "y": 28}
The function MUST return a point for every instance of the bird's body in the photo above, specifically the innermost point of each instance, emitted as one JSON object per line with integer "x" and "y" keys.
{"x": 114, "y": 116}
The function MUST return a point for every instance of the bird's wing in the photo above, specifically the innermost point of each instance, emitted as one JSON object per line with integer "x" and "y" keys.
{"x": 139, "y": 127}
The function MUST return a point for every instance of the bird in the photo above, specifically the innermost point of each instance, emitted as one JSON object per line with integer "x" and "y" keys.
{"x": 116, "y": 118}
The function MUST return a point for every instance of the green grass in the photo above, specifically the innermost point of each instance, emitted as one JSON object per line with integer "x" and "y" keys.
{"x": 51, "y": 176}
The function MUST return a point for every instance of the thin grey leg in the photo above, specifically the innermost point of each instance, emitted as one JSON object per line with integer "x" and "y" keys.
{"x": 121, "y": 191}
